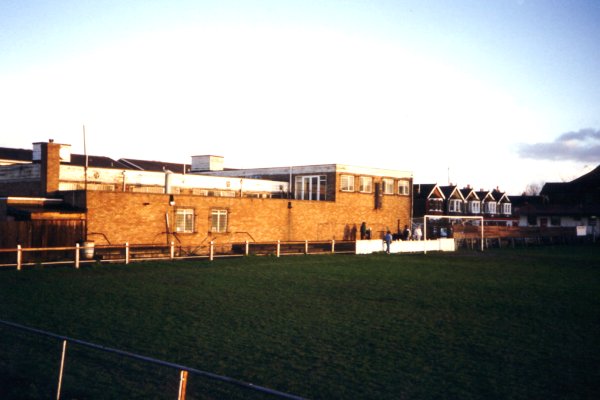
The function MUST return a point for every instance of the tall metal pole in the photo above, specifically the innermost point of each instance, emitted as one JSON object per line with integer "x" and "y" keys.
{"x": 62, "y": 367}
{"x": 85, "y": 168}
{"x": 85, "y": 185}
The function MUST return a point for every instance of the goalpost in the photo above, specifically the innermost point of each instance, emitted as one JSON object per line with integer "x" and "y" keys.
{"x": 452, "y": 217}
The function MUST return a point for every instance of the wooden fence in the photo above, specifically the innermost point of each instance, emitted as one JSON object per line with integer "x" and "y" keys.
{"x": 500, "y": 236}
{"x": 41, "y": 233}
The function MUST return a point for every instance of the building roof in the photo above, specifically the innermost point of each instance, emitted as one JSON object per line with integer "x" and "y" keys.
{"x": 425, "y": 190}
{"x": 41, "y": 208}
{"x": 312, "y": 169}
{"x": 468, "y": 192}
{"x": 484, "y": 195}
{"x": 95, "y": 162}
{"x": 15, "y": 155}
{"x": 500, "y": 196}
{"x": 591, "y": 178}
{"x": 19, "y": 156}
{"x": 450, "y": 191}
{"x": 155, "y": 166}
{"x": 583, "y": 190}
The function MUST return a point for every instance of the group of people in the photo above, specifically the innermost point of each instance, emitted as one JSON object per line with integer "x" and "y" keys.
{"x": 365, "y": 233}
{"x": 406, "y": 235}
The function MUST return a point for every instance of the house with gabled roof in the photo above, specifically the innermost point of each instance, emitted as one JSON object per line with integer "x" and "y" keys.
{"x": 455, "y": 202}
{"x": 488, "y": 203}
{"x": 472, "y": 201}
{"x": 428, "y": 199}
{"x": 504, "y": 207}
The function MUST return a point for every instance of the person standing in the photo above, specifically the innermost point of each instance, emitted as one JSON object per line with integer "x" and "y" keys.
{"x": 363, "y": 230}
{"x": 406, "y": 233}
{"x": 388, "y": 241}
{"x": 418, "y": 233}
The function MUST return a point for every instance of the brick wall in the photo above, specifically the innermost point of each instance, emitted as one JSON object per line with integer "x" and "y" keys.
{"x": 50, "y": 167}
{"x": 117, "y": 217}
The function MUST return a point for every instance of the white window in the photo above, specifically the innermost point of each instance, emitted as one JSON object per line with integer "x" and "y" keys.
{"x": 184, "y": 220}
{"x": 455, "y": 205}
{"x": 366, "y": 184}
{"x": 218, "y": 221}
{"x": 347, "y": 184}
{"x": 313, "y": 187}
{"x": 388, "y": 186}
{"x": 474, "y": 207}
{"x": 435, "y": 205}
{"x": 490, "y": 207}
{"x": 403, "y": 188}
{"x": 506, "y": 209}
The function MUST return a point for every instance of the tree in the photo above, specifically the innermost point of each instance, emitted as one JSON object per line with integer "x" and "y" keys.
{"x": 533, "y": 189}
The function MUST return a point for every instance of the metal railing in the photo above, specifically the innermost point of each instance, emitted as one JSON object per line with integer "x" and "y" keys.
{"x": 184, "y": 371}
{"x": 78, "y": 255}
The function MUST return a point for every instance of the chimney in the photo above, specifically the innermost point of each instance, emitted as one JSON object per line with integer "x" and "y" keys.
{"x": 48, "y": 154}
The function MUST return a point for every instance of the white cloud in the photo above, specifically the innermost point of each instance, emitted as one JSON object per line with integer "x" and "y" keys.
{"x": 582, "y": 146}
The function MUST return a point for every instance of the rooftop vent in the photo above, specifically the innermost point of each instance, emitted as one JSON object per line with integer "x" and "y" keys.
{"x": 207, "y": 163}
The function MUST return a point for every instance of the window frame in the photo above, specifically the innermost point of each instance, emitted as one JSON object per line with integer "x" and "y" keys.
{"x": 455, "y": 205}
{"x": 403, "y": 188}
{"x": 365, "y": 188}
{"x": 473, "y": 203}
{"x": 388, "y": 185}
{"x": 506, "y": 208}
{"x": 490, "y": 207}
{"x": 182, "y": 220}
{"x": 304, "y": 190}
{"x": 347, "y": 183}
{"x": 219, "y": 213}
{"x": 437, "y": 202}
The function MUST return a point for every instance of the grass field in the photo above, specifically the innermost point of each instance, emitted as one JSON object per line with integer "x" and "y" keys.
{"x": 503, "y": 324}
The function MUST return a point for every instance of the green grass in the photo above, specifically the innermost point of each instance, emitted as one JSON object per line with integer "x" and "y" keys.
{"x": 510, "y": 324}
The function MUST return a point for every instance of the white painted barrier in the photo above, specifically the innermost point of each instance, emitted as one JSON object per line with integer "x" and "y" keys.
{"x": 400, "y": 246}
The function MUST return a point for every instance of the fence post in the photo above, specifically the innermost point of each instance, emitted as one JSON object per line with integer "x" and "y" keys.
{"x": 76, "y": 255}
{"x": 212, "y": 250}
{"x": 247, "y": 247}
{"x": 333, "y": 245}
{"x": 278, "y": 247}
{"x": 62, "y": 367}
{"x": 126, "y": 252}
{"x": 182, "y": 384}
{"x": 172, "y": 250}
{"x": 19, "y": 257}
{"x": 306, "y": 247}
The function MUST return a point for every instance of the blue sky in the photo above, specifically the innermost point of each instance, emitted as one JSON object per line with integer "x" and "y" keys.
{"x": 497, "y": 93}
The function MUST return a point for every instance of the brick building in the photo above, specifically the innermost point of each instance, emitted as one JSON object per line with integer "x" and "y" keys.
{"x": 146, "y": 202}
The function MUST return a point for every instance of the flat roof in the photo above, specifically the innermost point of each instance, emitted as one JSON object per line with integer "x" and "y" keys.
{"x": 314, "y": 169}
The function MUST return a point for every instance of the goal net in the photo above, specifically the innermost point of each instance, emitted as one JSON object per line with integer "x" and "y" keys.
{"x": 461, "y": 228}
